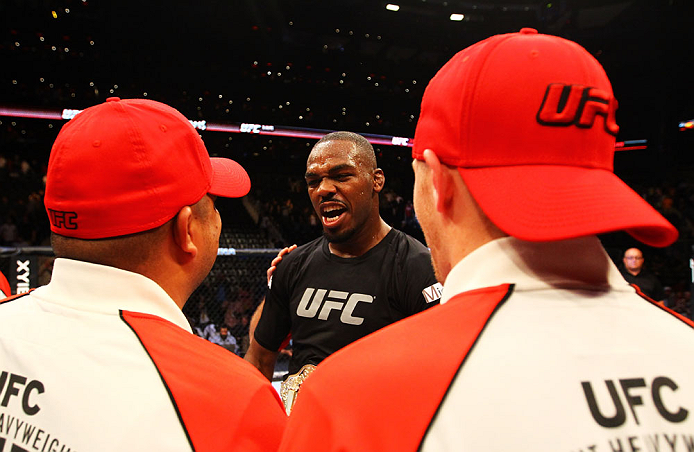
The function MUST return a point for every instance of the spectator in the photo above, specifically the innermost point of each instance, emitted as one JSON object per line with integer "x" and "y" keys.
{"x": 634, "y": 272}
{"x": 223, "y": 338}
{"x": 9, "y": 234}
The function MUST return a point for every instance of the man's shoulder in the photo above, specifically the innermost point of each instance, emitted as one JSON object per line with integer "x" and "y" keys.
{"x": 646, "y": 273}
{"x": 408, "y": 244}
{"x": 409, "y": 253}
{"x": 643, "y": 275}
{"x": 303, "y": 252}
{"x": 220, "y": 397}
{"x": 174, "y": 348}
{"x": 385, "y": 388}
{"x": 310, "y": 247}
{"x": 6, "y": 301}
{"x": 400, "y": 340}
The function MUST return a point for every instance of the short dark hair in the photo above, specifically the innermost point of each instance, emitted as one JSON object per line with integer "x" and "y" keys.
{"x": 366, "y": 150}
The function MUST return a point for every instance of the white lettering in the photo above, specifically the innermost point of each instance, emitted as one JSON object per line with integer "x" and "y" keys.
{"x": 23, "y": 278}
{"x": 69, "y": 114}
{"x": 347, "y": 316}
{"x": 433, "y": 292}
{"x": 255, "y": 128}
{"x": 23, "y": 266}
{"x": 202, "y": 125}
{"x": 304, "y": 310}
{"x": 250, "y": 128}
{"x": 310, "y": 303}
{"x": 330, "y": 305}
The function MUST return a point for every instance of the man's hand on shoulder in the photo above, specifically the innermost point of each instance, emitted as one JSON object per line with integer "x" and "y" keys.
{"x": 277, "y": 260}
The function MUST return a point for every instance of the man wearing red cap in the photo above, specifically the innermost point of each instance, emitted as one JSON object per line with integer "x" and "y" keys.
{"x": 539, "y": 343}
{"x": 102, "y": 358}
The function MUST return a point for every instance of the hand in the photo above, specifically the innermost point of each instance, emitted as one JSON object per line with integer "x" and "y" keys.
{"x": 277, "y": 260}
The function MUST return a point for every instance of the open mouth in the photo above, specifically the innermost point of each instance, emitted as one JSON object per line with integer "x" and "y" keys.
{"x": 332, "y": 215}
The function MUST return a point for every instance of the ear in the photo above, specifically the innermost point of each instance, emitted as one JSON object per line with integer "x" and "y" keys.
{"x": 444, "y": 186}
{"x": 379, "y": 180}
{"x": 183, "y": 231}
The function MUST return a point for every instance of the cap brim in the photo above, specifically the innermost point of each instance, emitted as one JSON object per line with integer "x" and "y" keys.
{"x": 229, "y": 179}
{"x": 552, "y": 202}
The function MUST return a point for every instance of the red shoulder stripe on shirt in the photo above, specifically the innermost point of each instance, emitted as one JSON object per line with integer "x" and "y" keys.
{"x": 5, "y": 285}
{"x": 224, "y": 403}
{"x": 662, "y": 306}
{"x": 400, "y": 373}
{"x": 14, "y": 297}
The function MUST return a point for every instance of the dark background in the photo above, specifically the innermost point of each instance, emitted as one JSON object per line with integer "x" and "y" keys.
{"x": 337, "y": 65}
{"x": 182, "y": 51}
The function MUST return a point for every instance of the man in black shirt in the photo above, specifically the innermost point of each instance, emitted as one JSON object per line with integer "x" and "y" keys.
{"x": 360, "y": 276}
{"x": 634, "y": 273}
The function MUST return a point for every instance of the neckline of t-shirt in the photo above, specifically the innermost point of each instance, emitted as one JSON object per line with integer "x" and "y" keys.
{"x": 385, "y": 241}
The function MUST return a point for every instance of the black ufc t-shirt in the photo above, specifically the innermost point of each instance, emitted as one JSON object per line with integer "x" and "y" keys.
{"x": 328, "y": 301}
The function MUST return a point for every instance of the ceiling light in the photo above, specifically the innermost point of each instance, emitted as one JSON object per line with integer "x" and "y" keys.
{"x": 457, "y": 17}
{"x": 392, "y": 7}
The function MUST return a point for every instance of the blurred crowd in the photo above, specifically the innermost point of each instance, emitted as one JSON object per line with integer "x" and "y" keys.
{"x": 281, "y": 215}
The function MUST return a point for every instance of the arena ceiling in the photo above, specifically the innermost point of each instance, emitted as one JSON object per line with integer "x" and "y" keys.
{"x": 644, "y": 45}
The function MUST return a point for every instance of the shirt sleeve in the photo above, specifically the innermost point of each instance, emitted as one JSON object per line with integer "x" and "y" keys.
{"x": 420, "y": 289}
{"x": 274, "y": 323}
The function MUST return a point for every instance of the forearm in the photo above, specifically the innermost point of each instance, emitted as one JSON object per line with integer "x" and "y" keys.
{"x": 262, "y": 358}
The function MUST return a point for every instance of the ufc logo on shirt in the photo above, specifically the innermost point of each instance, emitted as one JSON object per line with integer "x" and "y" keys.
{"x": 312, "y": 300}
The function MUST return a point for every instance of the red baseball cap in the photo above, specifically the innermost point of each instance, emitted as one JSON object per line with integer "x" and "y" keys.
{"x": 128, "y": 166}
{"x": 529, "y": 120}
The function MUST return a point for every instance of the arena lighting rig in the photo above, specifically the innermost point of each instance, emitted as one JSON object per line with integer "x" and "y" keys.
{"x": 262, "y": 129}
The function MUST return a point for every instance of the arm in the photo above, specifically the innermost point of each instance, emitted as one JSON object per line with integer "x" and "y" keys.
{"x": 272, "y": 318}
{"x": 262, "y": 358}
{"x": 254, "y": 320}
{"x": 420, "y": 289}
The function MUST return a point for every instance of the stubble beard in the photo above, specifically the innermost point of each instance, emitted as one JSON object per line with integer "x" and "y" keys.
{"x": 338, "y": 237}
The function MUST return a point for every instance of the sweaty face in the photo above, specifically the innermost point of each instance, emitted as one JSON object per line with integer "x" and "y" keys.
{"x": 341, "y": 188}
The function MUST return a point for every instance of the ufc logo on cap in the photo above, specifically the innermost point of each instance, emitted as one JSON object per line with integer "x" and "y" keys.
{"x": 331, "y": 303}
{"x": 566, "y": 105}
{"x": 61, "y": 219}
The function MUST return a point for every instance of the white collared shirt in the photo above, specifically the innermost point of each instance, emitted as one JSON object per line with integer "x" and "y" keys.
{"x": 570, "y": 323}
{"x": 83, "y": 379}
{"x": 580, "y": 262}
{"x": 74, "y": 285}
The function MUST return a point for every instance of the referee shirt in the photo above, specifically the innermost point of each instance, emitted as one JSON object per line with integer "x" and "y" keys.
{"x": 103, "y": 359}
{"x": 536, "y": 346}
